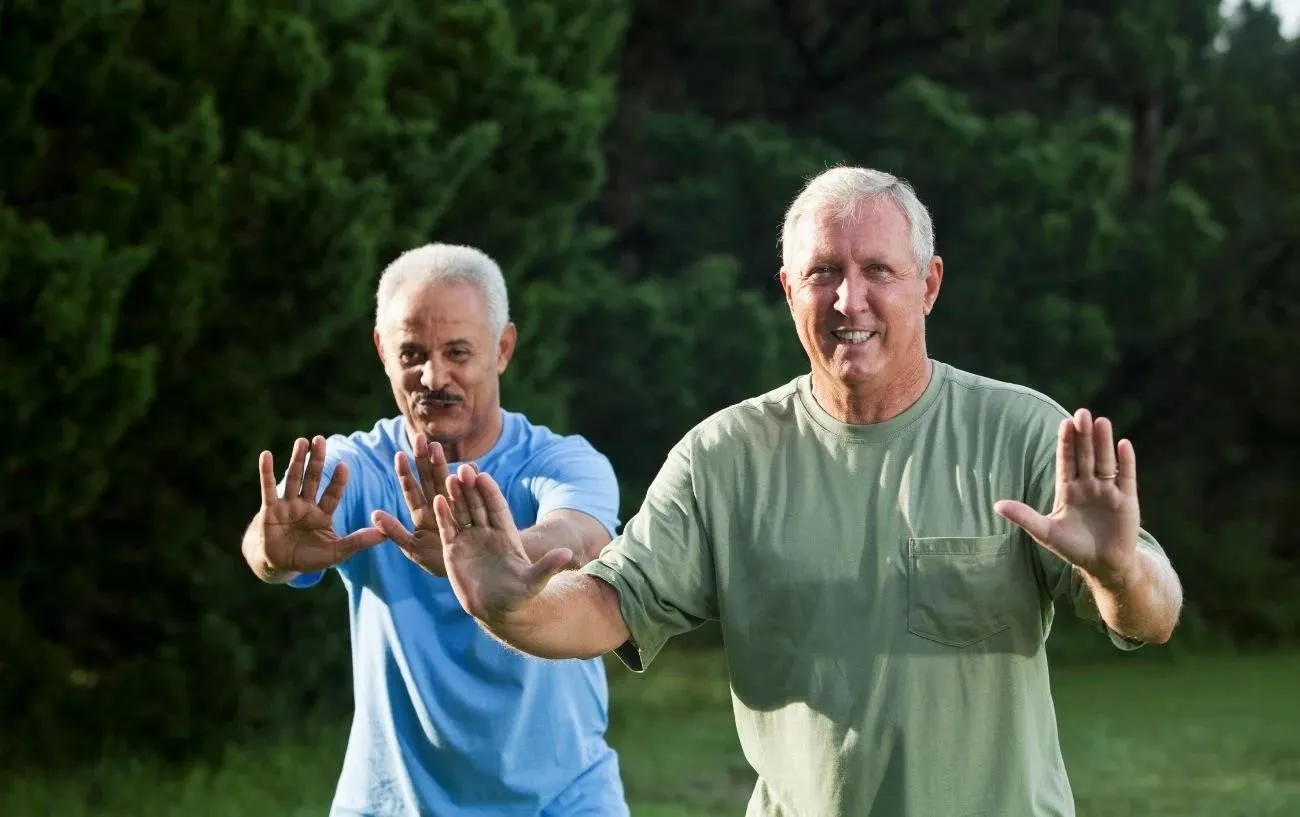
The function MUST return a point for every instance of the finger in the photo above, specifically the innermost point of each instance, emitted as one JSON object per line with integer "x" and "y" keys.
{"x": 358, "y": 540}
{"x": 1126, "y": 467}
{"x": 266, "y": 470}
{"x": 315, "y": 465}
{"x": 448, "y": 527}
{"x": 473, "y": 496}
{"x": 393, "y": 528}
{"x": 1085, "y": 457}
{"x": 494, "y": 502}
{"x": 293, "y": 476}
{"x": 1103, "y": 436}
{"x": 433, "y": 469}
{"x": 329, "y": 500}
{"x": 1026, "y": 518}
{"x": 459, "y": 505}
{"x": 1065, "y": 465}
{"x": 544, "y": 569}
{"x": 411, "y": 490}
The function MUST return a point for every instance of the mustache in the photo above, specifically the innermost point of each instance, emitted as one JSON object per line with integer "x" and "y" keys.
{"x": 440, "y": 396}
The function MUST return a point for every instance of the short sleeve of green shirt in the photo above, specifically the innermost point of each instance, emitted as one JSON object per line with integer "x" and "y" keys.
{"x": 1060, "y": 578}
{"x": 662, "y": 563}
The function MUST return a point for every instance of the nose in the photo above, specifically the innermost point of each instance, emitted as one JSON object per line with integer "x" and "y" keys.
{"x": 851, "y": 295}
{"x": 431, "y": 376}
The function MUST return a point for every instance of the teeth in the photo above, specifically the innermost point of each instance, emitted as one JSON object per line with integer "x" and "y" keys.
{"x": 854, "y": 336}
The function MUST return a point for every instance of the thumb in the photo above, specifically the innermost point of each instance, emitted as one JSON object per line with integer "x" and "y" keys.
{"x": 360, "y": 540}
{"x": 1023, "y": 516}
{"x": 391, "y": 527}
{"x": 542, "y": 570}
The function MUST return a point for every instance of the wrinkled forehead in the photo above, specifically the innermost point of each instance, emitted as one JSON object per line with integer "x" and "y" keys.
{"x": 875, "y": 228}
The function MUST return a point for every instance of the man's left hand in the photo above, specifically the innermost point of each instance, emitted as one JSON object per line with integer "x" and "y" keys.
{"x": 1094, "y": 521}
{"x": 419, "y": 486}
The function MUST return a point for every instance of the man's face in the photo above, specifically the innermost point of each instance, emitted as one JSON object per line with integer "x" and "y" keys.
{"x": 444, "y": 365}
{"x": 857, "y": 301}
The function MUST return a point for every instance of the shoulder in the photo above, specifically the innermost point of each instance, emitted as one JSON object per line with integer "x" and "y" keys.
{"x": 538, "y": 450}
{"x": 999, "y": 398}
{"x": 753, "y": 421}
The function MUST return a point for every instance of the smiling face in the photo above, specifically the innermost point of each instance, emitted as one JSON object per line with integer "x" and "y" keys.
{"x": 444, "y": 364}
{"x": 858, "y": 302}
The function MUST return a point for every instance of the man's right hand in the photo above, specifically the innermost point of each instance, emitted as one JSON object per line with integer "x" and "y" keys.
{"x": 490, "y": 572}
{"x": 294, "y": 533}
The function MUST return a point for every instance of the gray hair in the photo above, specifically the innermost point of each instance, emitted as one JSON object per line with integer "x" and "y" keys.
{"x": 448, "y": 262}
{"x": 843, "y": 188}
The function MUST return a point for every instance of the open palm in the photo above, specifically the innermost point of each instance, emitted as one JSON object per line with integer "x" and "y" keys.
{"x": 297, "y": 528}
{"x": 420, "y": 485}
{"x": 490, "y": 572}
{"x": 1095, "y": 518}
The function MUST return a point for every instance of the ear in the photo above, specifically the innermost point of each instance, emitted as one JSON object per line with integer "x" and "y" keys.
{"x": 785, "y": 287}
{"x": 506, "y": 347}
{"x": 933, "y": 280}
{"x": 379, "y": 345}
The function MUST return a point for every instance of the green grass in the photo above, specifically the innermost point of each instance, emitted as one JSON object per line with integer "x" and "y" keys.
{"x": 1189, "y": 738}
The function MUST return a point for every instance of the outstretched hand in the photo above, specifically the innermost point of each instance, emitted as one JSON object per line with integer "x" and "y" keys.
{"x": 419, "y": 486}
{"x": 489, "y": 570}
{"x": 297, "y": 530}
{"x": 1094, "y": 520}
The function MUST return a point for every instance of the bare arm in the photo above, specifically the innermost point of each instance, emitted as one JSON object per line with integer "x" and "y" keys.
{"x": 1094, "y": 525}
{"x": 575, "y": 530}
{"x": 574, "y": 616}
{"x": 1144, "y": 605}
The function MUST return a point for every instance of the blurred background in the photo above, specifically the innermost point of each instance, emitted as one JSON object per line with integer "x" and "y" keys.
{"x": 196, "y": 199}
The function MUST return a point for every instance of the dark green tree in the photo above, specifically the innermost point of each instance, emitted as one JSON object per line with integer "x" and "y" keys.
{"x": 195, "y": 203}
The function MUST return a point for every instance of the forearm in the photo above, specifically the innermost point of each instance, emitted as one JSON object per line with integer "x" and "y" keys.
{"x": 254, "y": 551}
{"x": 1143, "y": 606}
{"x": 579, "y": 533}
{"x": 575, "y": 616}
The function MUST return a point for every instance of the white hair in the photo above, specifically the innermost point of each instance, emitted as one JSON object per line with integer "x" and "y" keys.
{"x": 843, "y": 188}
{"x": 448, "y": 262}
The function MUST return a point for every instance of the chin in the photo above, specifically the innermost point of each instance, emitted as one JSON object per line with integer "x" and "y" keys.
{"x": 854, "y": 372}
{"x": 440, "y": 429}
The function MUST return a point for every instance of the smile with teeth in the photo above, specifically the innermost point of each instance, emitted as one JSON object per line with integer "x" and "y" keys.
{"x": 853, "y": 335}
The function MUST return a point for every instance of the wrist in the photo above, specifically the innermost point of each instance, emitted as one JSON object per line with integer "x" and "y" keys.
{"x": 1121, "y": 578}
{"x": 256, "y": 557}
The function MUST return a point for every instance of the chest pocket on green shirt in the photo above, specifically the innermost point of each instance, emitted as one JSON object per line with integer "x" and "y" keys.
{"x": 959, "y": 588}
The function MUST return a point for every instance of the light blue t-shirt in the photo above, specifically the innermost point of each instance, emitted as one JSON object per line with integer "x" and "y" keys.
{"x": 448, "y": 721}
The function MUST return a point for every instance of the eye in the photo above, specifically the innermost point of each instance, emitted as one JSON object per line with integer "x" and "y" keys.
{"x": 460, "y": 355}
{"x": 410, "y": 357}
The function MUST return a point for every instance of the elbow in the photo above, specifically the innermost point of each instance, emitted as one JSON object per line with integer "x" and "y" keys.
{"x": 1161, "y": 636}
{"x": 1164, "y": 631}
{"x": 589, "y": 551}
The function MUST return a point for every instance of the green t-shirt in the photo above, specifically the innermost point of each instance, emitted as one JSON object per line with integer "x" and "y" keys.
{"x": 884, "y": 628}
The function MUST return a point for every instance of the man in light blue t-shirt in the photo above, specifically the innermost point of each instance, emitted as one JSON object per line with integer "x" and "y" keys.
{"x": 448, "y": 721}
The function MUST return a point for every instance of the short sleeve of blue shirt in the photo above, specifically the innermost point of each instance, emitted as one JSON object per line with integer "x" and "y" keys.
{"x": 570, "y": 474}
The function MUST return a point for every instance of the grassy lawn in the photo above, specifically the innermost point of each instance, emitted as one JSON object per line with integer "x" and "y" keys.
{"x": 1204, "y": 736}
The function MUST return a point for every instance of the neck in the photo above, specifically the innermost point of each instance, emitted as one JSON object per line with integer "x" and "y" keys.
{"x": 469, "y": 447}
{"x": 875, "y": 400}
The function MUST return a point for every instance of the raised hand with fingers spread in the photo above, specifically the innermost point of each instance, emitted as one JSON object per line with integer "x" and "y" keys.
{"x": 294, "y": 532}
{"x": 1095, "y": 520}
{"x": 489, "y": 569}
{"x": 420, "y": 485}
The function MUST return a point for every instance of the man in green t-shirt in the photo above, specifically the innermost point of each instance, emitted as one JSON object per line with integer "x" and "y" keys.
{"x": 881, "y": 540}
